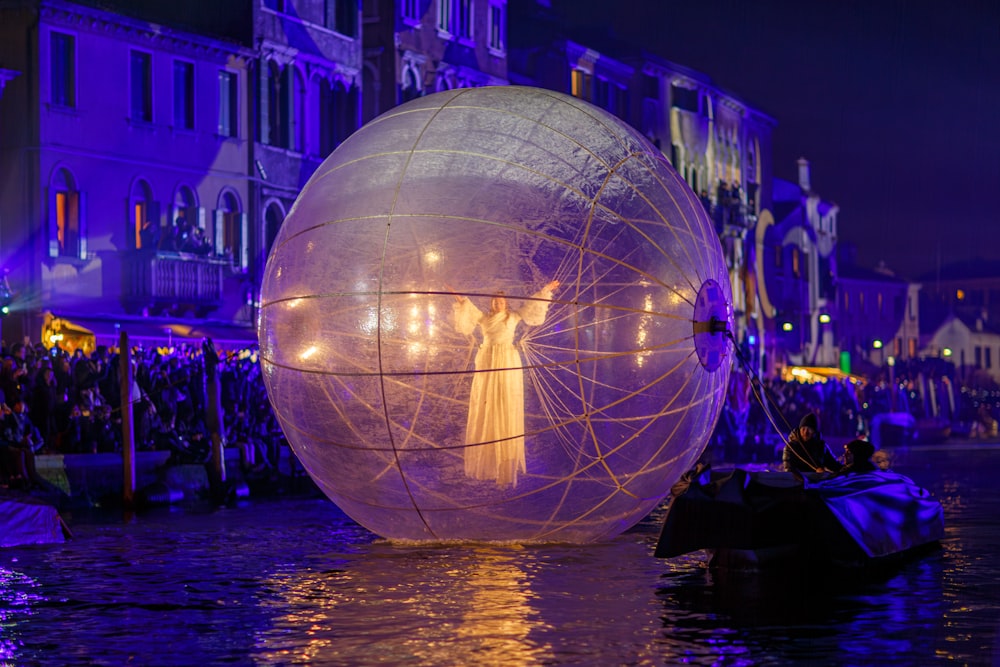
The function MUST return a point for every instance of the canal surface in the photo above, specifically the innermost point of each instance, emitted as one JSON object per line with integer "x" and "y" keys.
{"x": 296, "y": 582}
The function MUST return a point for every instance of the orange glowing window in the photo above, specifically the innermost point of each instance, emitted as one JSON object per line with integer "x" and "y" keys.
{"x": 68, "y": 222}
{"x": 61, "y": 218}
{"x": 577, "y": 83}
{"x": 139, "y": 214}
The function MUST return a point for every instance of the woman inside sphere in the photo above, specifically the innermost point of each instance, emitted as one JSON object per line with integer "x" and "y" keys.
{"x": 494, "y": 432}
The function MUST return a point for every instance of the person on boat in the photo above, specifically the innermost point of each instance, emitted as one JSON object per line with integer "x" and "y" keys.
{"x": 806, "y": 451}
{"x": 882, "y": 459}
{"x": 858, "y": 457}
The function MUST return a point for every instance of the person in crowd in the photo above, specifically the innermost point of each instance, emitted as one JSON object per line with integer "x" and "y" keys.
{"x": 42, "y": 408}
{"x": 858, "y": 457}
{"x": 806, "y": 451}
{"x": 11, "y": 380}
{"x": 20, "y": 442}
{"x": 882, "y": 459}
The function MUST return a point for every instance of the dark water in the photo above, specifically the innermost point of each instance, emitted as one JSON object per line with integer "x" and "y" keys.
{"x": 295, "y": 582}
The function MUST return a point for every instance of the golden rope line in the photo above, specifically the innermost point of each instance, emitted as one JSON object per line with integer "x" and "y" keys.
{"x": 469, "y": 372}
{"x": 705, "y": 397}
{"x": 566, "y": 307}
{"x": 593, "y": 201}
{"x": 567, "y": 479}
{"x": 559, "y": 481}
{"x": 651, "y": 420}
{"x": 612, "y": 171}
{"x": 381, "y": 277}
{"x": 592, "y": 252}
{"x": 595, "y": 305}
{"x": 555, "y": 240}
{"x": 623, "y": 354}
{"x": 609, "y": 129}
{"x": 614, "y": 450}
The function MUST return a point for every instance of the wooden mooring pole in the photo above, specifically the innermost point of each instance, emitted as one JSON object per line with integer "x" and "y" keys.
{"x": 128, "y": 431}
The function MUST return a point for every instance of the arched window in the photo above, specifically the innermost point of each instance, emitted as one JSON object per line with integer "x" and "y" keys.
{"x": 297, "y": 111}
{"x": 337, "y": 115}
{"x": 143, "y": 211}
{"x": 186, "y": 206}
{"x": 275, "y": 118}
{"x": 409, "y": 89}
{"x": 66, "y": 236}
{"x": 231, "y": 230}
{"x": 273, "y": 217}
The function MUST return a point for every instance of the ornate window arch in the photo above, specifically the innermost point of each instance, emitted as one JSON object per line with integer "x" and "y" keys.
{"x": 231, "y": 233}
{"x": 274, "y": 215}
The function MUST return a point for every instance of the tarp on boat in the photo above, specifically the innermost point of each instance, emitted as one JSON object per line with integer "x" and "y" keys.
{"x": 26, "y": 520}
{"x": 884, "y": 512}
{"x": 845, "y": 518}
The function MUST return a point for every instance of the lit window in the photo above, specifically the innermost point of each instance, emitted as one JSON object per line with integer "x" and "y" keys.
{"x": 143, "y": 209}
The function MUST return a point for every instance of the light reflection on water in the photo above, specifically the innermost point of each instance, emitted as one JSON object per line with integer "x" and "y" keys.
{"x": 295, "y": 582}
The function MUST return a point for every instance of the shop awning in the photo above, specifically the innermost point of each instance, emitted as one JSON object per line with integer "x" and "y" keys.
{"x": 160, "y": 332}
{"x": 818, "y": 374}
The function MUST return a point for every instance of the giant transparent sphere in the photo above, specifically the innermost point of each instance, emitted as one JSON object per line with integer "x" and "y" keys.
{"x": 496, "y": 314}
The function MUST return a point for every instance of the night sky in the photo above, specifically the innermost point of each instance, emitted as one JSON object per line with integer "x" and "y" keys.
{"x": 895, "y": 103}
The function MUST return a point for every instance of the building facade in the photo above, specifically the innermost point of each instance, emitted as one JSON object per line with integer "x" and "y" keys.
{"x": 153, "y": 151}
{"x": 150, "y": 151}
{"x": 876, "y": 318}
{"x": 414, "y": 48}
{"x": 799, "y": 270}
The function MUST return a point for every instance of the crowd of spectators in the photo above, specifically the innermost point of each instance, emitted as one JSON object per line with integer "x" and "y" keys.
{"x": 55, "y": 402}
{"x": 847, "y": 409}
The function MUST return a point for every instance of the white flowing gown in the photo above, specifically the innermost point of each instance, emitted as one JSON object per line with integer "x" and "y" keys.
{"x": 494, "y": 433}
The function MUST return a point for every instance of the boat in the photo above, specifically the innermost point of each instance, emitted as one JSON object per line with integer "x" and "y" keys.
{"x": 759, "y": 519}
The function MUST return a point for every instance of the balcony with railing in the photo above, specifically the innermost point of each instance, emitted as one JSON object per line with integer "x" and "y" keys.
{"x": 172, "y": 282}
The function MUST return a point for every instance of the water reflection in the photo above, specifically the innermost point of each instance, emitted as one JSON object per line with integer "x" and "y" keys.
{"x": 435, "y": 603}
{"x": 296, "y": 582}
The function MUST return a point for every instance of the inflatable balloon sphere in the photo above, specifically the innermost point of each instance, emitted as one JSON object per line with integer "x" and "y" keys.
{"x": 496, "y": 314}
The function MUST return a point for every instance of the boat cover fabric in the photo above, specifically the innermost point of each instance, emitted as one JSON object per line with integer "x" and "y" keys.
{"x": 29, "y": 521}
{"x": 884, "y": 512}
{"x": 845, "y": 518}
